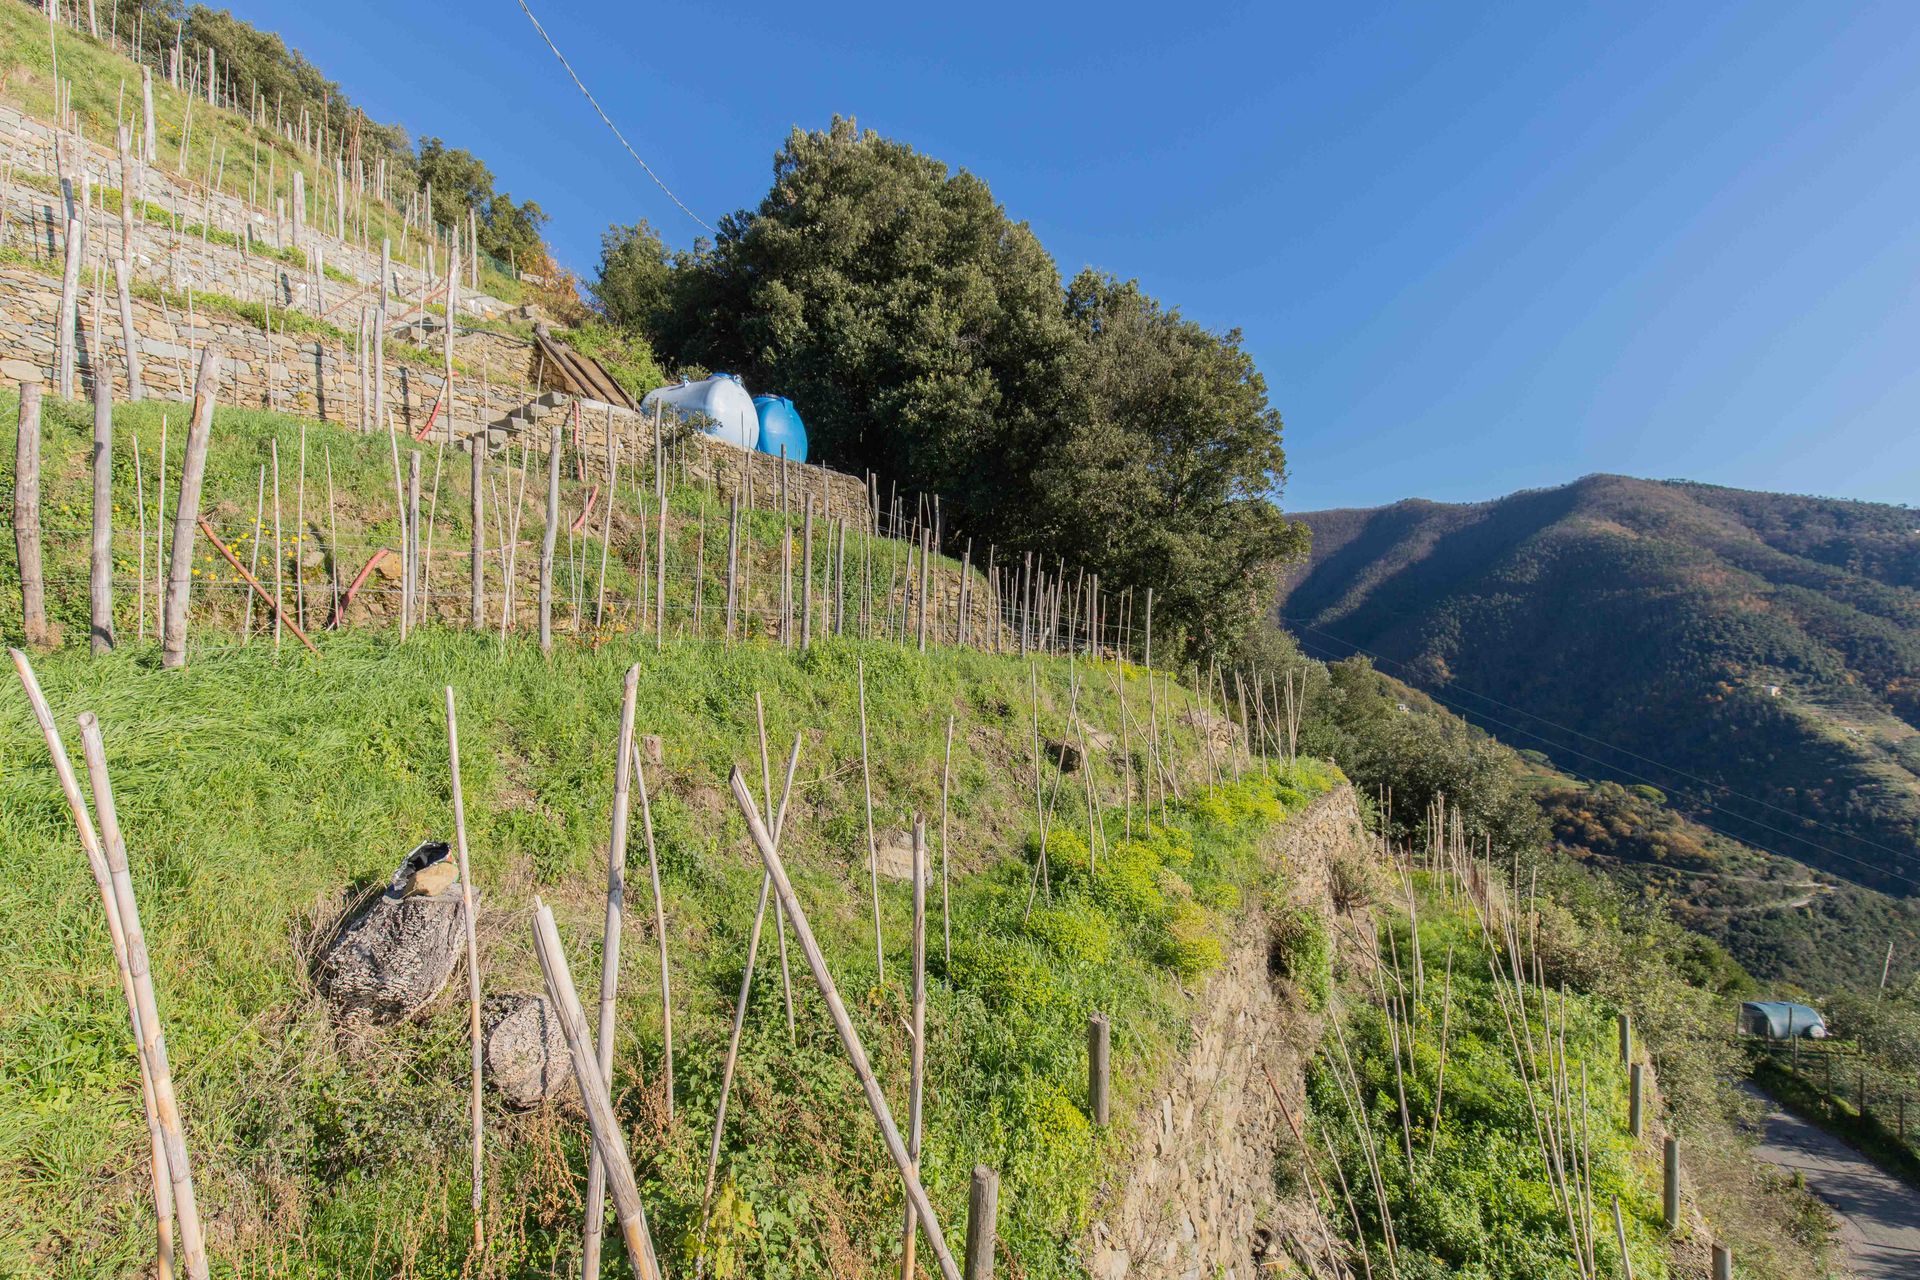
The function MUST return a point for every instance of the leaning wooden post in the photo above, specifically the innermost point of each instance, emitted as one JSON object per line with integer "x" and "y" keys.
{"x": 610, "y": 964}
{"x": 849, "y": 1038}
{"x": 477, "y": 596}
{"x": 153, "y": 1041}
{"x": 1635, "y": 1100}
{"x": 1620, "y": 1239}
{"x": 983, "y": 1206}
{"x": 547, "y": 540}
{"x": 1671, "y": 1184}
{"x": 660, "y": 932}
{"x": 473, "y": 963}
{"x": 26, "y": 516}
{"x": 607, "y": 1139}
{"x": 916, "y": 1088}
{"x": 103, "y": 880}
{"x": 193, "y": 469}
{"x": 1099, "y": 1051}
{"x": 100, "y": 559}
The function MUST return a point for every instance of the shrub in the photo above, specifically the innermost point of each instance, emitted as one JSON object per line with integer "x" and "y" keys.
{"x": 1075, "y": 930}
{"x": 1188, "y": 944}
{"x": 1301, "y": 953}
{"x": 1004, "y": 973}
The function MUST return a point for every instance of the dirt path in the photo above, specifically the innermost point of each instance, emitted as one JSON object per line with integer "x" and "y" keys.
{"x": 1879, "y": 1214}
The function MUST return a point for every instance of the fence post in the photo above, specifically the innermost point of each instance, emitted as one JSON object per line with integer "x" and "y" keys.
{"x": 100, "y": 559}
{"x": 1099, "y": 1045}
{"x": 1722, "y": 1263}
{"x": 1635, "y": 1100}
{"x": 983, "y": 1206}
{"x": 547, "y": 539}
{"x": 1626, "y": 1039}
{"x": 193, "y": 467}
{"x": 1671, "y": 1198}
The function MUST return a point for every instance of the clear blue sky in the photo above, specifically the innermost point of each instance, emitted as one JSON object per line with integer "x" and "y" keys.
{"x": 1473, "y": 247}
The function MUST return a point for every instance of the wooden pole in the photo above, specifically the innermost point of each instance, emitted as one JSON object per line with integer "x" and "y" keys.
{"x": 740, "y": 1007}
{"x": 547, "y": 539}
{"x": 607, "y": 1139}
{"x": 806, "y": 580}
{"x": 610, "y": 963}
{"x": 65, "y": 357}
{"x": 733, "y": 564}
{"x": 279, "y": 555}
{"x": 873, "y": 848}
{"x": 1620, "y": 1239}
{"x": 1635, "y": 1103}
{"x": 476, "y": 568}
{"x": 660, "y": 572}
{"x": 983, "y": 1206}
{"x": 103, "y": 881}
{"x": 660, "y": 932}
{"x": 100, "y": 557}
{"x": 193, "y": 469}
{"x": 1722, "y": 1263}
{"x": 849, "y": 1038}
{"x": 153, "y": 1041}
{"x": 300, "y": 535}
{"x": 26, "y": 516}
{"x": 470, "y": 908}
{"x": 140, "y": 510}
{"x": 1670, "y": 1184}
{"x": 918, "y": 1068}
{"x": 946, "y": 781}
{"x": 412, "y": 576}
{"x": 266, "y": 597}
{"x": 1099, "y": 1049}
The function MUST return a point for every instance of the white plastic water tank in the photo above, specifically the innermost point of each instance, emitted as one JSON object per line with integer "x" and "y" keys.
{"x": 721, "y": 399}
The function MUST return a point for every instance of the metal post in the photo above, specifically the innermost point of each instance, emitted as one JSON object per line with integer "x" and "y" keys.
{"x": 1626, "y": 1039}
{"x": 1635, "y": 1100}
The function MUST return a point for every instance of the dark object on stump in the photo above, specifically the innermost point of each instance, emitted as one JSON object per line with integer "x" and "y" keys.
{"x": 526, "y": 1055}
{"x": 395, "y": 954}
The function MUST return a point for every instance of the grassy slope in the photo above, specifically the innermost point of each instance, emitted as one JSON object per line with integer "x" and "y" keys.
{"x": 106, "y": 91}
{"x": 1478, "y": 1202}
{"x": 258, "y": 792}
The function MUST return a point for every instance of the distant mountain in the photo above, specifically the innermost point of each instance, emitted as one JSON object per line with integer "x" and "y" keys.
{"x": 1754, "y": 655}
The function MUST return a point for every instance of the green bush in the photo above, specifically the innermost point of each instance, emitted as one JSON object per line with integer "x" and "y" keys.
{"x": 1075, "y": 930}
{"x": 1189, "y": 944}
{"x": 1302, "y": 953}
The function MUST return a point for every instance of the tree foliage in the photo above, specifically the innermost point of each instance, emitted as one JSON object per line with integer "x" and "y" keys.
{"x": 927, "y": 336}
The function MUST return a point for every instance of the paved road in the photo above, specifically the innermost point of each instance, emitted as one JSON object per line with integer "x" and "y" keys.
{"x": 1879, "y": 1214}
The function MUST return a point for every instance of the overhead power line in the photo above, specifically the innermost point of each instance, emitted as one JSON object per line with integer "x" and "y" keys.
{"x": 608, "y": 119}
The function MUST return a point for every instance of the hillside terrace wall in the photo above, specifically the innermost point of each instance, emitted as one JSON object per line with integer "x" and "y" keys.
{"x": 36, "y": 220}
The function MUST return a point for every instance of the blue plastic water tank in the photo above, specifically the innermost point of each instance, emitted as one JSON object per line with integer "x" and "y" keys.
{"x": 780, "y": 426}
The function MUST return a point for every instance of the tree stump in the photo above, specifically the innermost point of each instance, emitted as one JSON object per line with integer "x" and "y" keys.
{"x": 525, "y": 1052}
{"x": 392, "y": 956}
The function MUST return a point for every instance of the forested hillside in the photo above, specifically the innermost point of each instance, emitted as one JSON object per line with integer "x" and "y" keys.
{"x": 1752, "y": 655}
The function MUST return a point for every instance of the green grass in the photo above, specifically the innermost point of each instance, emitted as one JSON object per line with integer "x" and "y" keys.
{"x": 256, "y": 791}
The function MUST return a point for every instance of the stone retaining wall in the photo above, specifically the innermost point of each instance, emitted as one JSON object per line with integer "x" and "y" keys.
{"x": 1197, "y": 1201}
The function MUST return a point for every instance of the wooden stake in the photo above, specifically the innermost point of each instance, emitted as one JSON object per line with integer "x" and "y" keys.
{"x": 1099, "y": 1052}
{"x": 607, "y": 1140}
{"x": 226, "y": 553}
{"x": 873, "y": 848}
{"x": 849, "y": 1038}
{"x": 100, "y": 557}
{"x": 477, "y": 540}
{"x": 279, "y": 555}
{"x": 470, "y": 906}
{"x": 193, "y": 468}
{"x": 153, "y": 1041}
{"x": 660, "y": 573}
{"x": 946, "y": 780}
{"x": 610, "y": 963}
{"x": 916, "y": 1079}
{"x": 983, "y": 1207}
{"x": 779, "y": 820}
{"x": 140, "y": 508}
{"x": 26, "y": 516}
{"x": 660, "y": 932}
{"x": 547, "y": 539}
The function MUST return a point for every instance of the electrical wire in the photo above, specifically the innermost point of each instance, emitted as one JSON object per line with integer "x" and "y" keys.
{"x": 608, "y": 119}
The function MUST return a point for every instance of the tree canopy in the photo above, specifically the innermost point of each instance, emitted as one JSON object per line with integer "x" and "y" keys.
{"x": 927, "y": 336}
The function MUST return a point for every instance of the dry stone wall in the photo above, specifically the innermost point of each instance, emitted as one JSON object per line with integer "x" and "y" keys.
{"x": 1198, "y": 1201}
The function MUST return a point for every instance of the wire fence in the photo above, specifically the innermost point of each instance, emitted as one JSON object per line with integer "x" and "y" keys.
{"x": 1851, "y": 1090}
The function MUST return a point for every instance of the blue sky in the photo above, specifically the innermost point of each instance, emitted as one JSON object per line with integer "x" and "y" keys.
{"x": 1473, "y": 248}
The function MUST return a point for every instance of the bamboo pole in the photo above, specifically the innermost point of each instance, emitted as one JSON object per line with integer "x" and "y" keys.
{"x": 193, "y": 467}
{"x": 660, "y": 572}
{"x": 547, "y": 539}
{"x": 660, "y": 932}
{"x": 333, "y": 539}
{"x": 946, "y": 779}
{"x": 279, "y": 555}
{"x": 153, "y": 1041}
{"x": 470, "y": 908}
{"x": 607, "y": 1140}
{"x": 140, "y": 509}
{"x": 849, "y": 1038}
{"x": 873, "y": 848}
{"x": 103, "y": 880}
{"x": 778, "y": 821}
{"x": 806, "y": 580}
{"x": 477, "y": 539}
{"x": 26, "y": 517}
{"x": 918, "y": 1065}
{"x": 610, "y": 964}
{"x": 740, "y": 1006}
